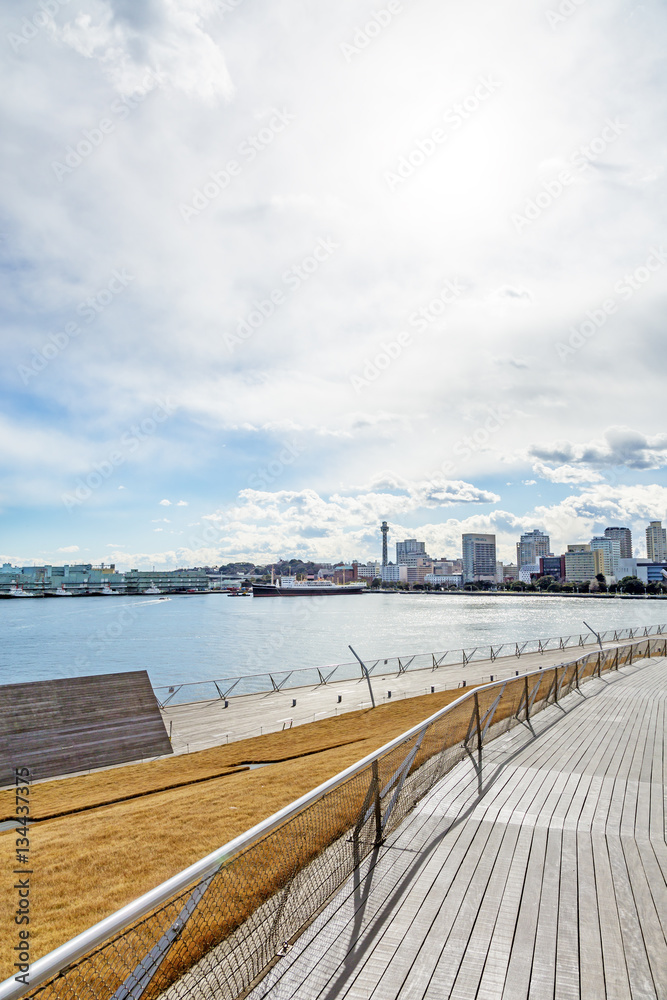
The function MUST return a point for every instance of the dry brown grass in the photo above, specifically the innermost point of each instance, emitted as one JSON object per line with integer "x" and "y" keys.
{"x": 90, "y": 863}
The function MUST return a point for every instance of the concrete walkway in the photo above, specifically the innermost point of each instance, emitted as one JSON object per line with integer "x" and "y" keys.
{"x": 202, "y": 724}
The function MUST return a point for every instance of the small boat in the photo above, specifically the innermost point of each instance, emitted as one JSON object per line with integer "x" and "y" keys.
{"x": 106, "y": 591}
{"x": 61, "y": 592}
{"x": 152, "y": 590}
{"x": 15, "y": 591}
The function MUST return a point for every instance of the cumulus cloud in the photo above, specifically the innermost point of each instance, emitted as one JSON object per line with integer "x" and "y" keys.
{"x": 619, "y": 446}
{"x": 566, "y": 474}
{"x": 69, "y": 548}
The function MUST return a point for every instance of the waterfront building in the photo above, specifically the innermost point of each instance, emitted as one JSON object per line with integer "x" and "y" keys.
{"x": 644, "y": 569}
{"x": 479, "y": 557}
{"x": 445, "y": 580}
{"x": 409, "y": 551}
{"x": 656, "y": 542}
{"x": 611, "y": 549}
{"x": 510, "y": 572}
{"x": 528, "y": 571}
{"x": 367, "y": 571}
{"x": 531, "y": 547}
{"x": 583, "y": 563}
{"x": 553, "y": 566}
{"x": 138, "y": 580}
{"x": 624, "y": 536}
{"x": 394, "y": 574}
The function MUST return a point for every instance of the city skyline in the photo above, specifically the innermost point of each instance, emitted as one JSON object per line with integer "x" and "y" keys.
{"x": 245, "y": 314}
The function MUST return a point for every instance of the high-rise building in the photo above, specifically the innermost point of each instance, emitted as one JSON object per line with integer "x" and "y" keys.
{"x": 479, "y": 557}
{"x": 409, "y": 551}
{"x": 656, "y": 542}
{"x": 624, "y": 536}
{"x": 532, "y": 546}
{"x": 611, "y": 550}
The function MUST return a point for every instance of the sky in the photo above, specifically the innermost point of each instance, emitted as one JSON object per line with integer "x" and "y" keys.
{"x": 274, "y": 273}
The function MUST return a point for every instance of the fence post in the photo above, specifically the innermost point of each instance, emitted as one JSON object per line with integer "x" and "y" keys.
{"x": 479, "y": 727}
{"x": 525, "y": 687}
{"x": 556, "y": 685}
{"x": 378, "y": 809}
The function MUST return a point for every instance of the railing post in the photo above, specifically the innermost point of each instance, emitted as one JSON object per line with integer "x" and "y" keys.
{"x": 616, "y": 659}
{"x": 479, "y": 727}
{"x": 378, "y": 808}
{"x": 525, "y": 687}
{"x": 556, "y": 685}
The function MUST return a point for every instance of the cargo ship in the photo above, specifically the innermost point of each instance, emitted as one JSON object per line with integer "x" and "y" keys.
{"x": 285, "y": 589}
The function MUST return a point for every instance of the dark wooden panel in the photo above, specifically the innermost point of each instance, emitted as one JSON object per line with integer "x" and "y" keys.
{"x": 77, "y": 723}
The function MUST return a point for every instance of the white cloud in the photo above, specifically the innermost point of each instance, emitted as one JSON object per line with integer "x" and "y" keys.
{"x": 169, "y": 39}
{"x": 218, "y": 87}
{"x": 618, "y": 446}
{"x": 165, "y": 503}
{"x": 182, "y": 503}
{"x": 566, "y": 474}
{"x": 69, "y": 548}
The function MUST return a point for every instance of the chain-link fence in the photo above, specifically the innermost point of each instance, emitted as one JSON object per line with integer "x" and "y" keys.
{"x": 216, "y": 927}
{"x": 282, "y": 680}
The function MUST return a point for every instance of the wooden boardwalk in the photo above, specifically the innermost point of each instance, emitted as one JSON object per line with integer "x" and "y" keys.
{"x": 540, "y": 873}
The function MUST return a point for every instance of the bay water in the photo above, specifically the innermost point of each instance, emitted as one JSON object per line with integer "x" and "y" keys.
{"x": 190, "y": 638}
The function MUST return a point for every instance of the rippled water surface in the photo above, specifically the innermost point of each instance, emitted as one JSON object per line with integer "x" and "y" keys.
{"x": 196, "y": 638}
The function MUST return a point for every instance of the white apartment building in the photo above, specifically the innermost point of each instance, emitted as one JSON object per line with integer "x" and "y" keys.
{"x": 656, "y": 542}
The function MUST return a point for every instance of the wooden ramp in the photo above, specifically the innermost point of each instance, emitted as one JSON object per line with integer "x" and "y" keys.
{"x": 540, "y": 873}
{"x": 73, "y": 724}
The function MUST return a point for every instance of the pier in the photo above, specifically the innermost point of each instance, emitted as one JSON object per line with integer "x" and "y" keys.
{"x": 199, "y": 725}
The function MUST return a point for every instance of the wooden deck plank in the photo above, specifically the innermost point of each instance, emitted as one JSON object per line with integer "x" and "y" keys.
{"x": 591, "y": 965}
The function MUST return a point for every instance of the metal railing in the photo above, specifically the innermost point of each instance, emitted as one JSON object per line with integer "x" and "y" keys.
{"x": 278, "y": 680}
{"x": 216, "y": 926}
